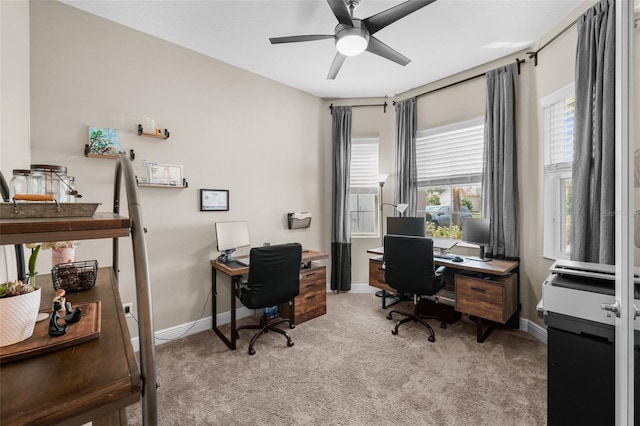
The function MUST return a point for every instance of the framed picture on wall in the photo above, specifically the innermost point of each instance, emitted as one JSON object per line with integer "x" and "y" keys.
{"x": 214, "y": 200}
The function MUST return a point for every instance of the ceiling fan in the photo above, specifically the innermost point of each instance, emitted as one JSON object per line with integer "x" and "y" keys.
{"x": 353, "y": 36}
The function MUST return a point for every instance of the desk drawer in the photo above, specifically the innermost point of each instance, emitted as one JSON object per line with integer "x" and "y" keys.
{"x": 493, "y": 299}
{"x": 376, "y": 275}
{"x": 312, "y": 300}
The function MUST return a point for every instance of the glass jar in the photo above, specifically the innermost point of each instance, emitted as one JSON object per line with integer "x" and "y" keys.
{"x": 71, "y": 190}
{"x": 19, "y": 183}
{"x": 52, "y": 177}
{"x": 37, "y": 183}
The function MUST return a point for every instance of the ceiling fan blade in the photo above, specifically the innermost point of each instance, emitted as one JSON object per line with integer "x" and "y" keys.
{"x": 336, "y": 65}
{"x": 379, "y": 48}
{"x": 380, "y": 20}
{"x": 339, "y": 8}
{"x": 296, "y": 39}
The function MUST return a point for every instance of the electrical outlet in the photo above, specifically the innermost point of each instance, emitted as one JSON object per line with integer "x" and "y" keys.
{"x": 127, "y": 309}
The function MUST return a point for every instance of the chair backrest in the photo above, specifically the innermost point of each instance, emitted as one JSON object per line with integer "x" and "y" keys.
{"x": 274, "y": 275}
{"x": 408, "y": 263}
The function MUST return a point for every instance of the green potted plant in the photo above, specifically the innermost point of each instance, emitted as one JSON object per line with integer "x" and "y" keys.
{"x": 19, "y": 306}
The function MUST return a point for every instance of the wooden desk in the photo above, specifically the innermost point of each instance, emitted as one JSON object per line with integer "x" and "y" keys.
{"x": 310, "y": 303}
{"x": 90, "y": 381}
{"x": 487, "y": 291}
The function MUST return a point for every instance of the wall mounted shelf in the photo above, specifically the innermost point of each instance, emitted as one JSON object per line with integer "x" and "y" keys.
{"x": 184, "y": 185}
{"x": 164, "y": 135}
{"x": 132, "y": 154}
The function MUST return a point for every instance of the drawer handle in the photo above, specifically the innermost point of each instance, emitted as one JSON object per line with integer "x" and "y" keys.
{"x": 482, "y": 290}
{"x": 311, "y": 274}
{"x": 311, "y": 297}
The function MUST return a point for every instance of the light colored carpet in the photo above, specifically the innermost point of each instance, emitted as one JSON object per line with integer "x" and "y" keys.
{"x": 346, "y": 368}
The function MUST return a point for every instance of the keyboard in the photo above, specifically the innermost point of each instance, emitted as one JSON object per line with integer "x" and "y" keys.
{"x": 446, "y": 256}
{"x": 243, "y": 261}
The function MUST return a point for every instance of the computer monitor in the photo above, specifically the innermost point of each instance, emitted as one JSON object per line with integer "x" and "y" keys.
{"x": 230, "y": 236}
{"x": 477, "y": 231}
{"x": 413, "y": 226}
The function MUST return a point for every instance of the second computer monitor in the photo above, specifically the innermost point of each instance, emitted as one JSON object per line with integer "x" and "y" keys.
{"x": 413, "y": 226}
{"x": 477, "y": 231}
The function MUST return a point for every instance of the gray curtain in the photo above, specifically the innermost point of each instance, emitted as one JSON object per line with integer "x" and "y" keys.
{"x": 499, "y": 177}
{"x": 340, "y": 222}
{"x": 593, "y": 201}
{"x": 406, "y": 186}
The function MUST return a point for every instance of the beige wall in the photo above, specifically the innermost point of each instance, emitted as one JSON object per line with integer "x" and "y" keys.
{"x": 230, "y": 129}
{"x": 14, "y": 86}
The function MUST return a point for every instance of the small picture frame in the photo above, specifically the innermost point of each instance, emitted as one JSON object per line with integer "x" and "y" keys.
{"x": 214, "y": 200}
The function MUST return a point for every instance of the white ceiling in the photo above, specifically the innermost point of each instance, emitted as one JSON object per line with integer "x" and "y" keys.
{"x": 441, "y": 39}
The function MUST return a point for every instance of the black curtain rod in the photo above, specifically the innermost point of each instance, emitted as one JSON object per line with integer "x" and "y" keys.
{"x": 534, "y": 54}
{"x": 384, "y": 106}
{"x": 518, "y": 61}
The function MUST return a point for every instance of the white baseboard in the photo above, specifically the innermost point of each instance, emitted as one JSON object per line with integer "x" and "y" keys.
{"x": 357, "y": 288}
{"x": 169, "y": 334}
{"x": 534, "y": 329}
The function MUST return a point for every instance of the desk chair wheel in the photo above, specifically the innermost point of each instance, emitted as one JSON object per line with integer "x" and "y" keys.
{"x": 443, "y": 325}
{"x": 389, "y": 316}
{"x": 251, "y": 351}
{"x": 290, "y": 343}
{"x": 432, "y": 338}
{"x": 292, "y": 325}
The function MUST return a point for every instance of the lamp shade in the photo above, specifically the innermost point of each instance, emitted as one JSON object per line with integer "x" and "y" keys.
{"x": 382, "y": 178}
{"x": 401, "y": 207}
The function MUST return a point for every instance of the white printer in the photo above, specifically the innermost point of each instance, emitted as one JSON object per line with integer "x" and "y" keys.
{"x": 578, "y": 289}
{"x": 581, "y": 343}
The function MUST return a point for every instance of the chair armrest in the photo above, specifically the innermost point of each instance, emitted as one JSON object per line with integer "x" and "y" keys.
{"x": 440, "y": 270}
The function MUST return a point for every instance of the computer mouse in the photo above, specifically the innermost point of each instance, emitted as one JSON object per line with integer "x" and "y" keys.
{"x": 457, "y": 259}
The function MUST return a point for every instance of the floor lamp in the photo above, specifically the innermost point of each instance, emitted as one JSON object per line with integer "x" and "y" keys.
{"x": 400, "y": 208}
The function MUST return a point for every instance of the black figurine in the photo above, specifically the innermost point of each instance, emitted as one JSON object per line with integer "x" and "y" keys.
{"x": 62, "y": 310}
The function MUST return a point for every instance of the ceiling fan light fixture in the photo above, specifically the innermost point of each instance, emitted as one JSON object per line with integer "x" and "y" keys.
{"x": 352, "y": 41}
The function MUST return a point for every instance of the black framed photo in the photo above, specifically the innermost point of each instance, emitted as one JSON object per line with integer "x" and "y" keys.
{"x": 214, "y": 200}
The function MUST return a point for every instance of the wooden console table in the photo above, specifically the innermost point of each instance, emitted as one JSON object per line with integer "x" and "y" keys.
{"x": 310, "y": 303}
{"x": 487, "y": 291}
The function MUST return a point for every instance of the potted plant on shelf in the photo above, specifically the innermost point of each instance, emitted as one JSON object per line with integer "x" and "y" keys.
{"x": 19, "y": 305}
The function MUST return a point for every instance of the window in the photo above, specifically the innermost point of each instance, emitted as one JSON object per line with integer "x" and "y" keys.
{"x": 363, "y": 189}
{"x": 558, "y": 112}
{"x": 449, "y": 161}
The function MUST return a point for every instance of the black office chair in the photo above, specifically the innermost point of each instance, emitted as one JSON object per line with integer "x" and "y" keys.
{"x": 408, "y": 268}
{"x": 274, "y": 278}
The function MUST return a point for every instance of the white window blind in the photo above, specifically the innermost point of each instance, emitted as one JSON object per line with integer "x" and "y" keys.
{"x": 364, "y": 163}
{"x": 558, "y": 111}
{"x": 450, "y": 155}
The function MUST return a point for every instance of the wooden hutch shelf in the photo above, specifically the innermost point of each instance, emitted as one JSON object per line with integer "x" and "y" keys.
{"x": 100, "y": 225}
